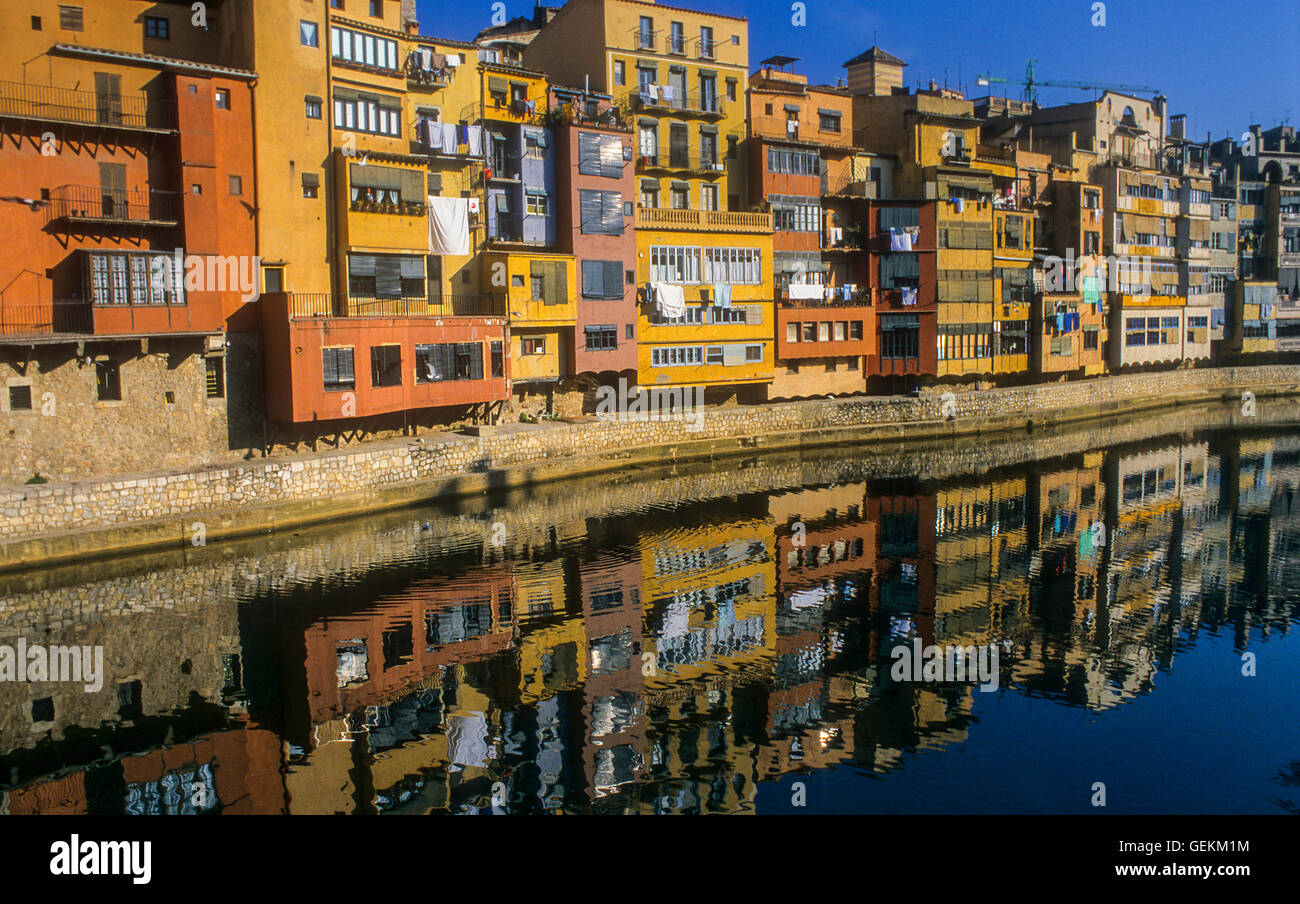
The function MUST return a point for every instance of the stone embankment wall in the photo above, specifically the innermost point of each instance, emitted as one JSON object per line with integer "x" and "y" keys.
{"x": 40, "y": 524}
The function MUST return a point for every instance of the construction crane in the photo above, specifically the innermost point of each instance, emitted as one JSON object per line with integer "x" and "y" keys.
{"x": 1031, "y": 84}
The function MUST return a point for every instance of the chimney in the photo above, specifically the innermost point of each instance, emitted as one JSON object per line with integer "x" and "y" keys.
{"x": 410, "y": 20}
{"x": 1178, "y": 126}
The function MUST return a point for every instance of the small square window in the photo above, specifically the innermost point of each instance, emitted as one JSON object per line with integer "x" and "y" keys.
{"x": 196, "y": 189}
{"x": 307, "y": 34}
{"x": 313, "y": 109}
{"x": 236, "y": 185}
{"x": 377, "y": 8}
{"x": 223, "y": 99}
{"x": 20, "y": 398}
{"x": 157, "y": 27}
{"x": 36, "y": 23}
{"x": 71, "y": 18}
{"x": 336, "y": 4}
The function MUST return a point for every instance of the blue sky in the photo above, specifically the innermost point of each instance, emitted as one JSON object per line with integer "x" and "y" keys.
{"x": 1224, "y": 64}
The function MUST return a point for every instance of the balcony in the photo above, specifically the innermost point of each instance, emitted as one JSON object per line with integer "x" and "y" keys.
{"x": 850, "y": 187}
{"x": 526, "y": 229}
{"x": 46, "y": 319}
{"x": 76, "y": 318}
{"x": 92, "y": 204}
{"x": 44, "y": 103}
{"x": 707, "y": 106}
{"x": 681, "y": 163}
{"x": 304, "y": 306}
{"x": 427, "y": 74}
{"x": 703, "y": 220}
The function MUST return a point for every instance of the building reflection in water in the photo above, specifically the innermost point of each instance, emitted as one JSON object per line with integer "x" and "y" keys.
{"x": 665, "y": 660}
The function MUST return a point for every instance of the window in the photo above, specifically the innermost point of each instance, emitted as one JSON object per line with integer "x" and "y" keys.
{"x": 532, "y": 345}
{"x": 601, "y": 338}
{"x": 855, "y": 329}
{"x": 307, "y": 34}
{"x": 600, "y": 155}
{"x": 733, "y": 266}
{"x": 731, "y": 89}
{"x": 900, "y": 336}
{"x": 336, "y": 4}
{"x": 498, "y": 359}
{"x": 70, "y": 18}
{"x": 449, "y": 361}
{"x": 236, "y": 185}
{"x": 706, "y": 42}
{"x": 156, "y": 27}
{"x": 753, "y": 353}
{"x": 313, "y": 105}
{"x": 223, "y": 99}
{"x": 796, "y": 215}
{"x": 676, "y": 356}
{"x": 215, "y": 377}
{"x": 620, "y": 72}
{"x": 549, "y": 281}
{"x": 134, "y": 278}
{"x": 362, "y": 49}
{"x": 337, "y": 369}
{"x": 367, "y": 113}
{"x": 310, "y": 185}
{"x": 273, "y": 278}
{"x": 36, "y": 23}
{"x": 676, "y": 38}
{"x": 797, "y": 163}
{"x": 385, "y": 365}
{"x": 708, "y": 197}
{"x": 672, "y": 264}
{"x": 377, "y": 8}
{"x": 649, "y": 194}
{"x": 20, "y": 398}
{"x": 646, "y": 34}
{"x": 828, "y": 120}
{"x": 389, "y": 276}
{"x": 601, "y": 212}
{"x": 602, "y": 279}
{"x": 680, "y": 197}
{"x": 537, "y": 205}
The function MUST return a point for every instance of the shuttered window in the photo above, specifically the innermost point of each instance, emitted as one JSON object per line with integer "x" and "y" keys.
{"x": 338, "y": 370}
{"x": 386, "y": 183}
{"x": 600, "y": 155}
{"x": 602, "y": 279}
{"x": 898, "y": 271}
{"x": 601, "y": 212}
{"x": 553, "y": 278}
{"x": 387, "y": 275}
{"x": 447, "y": 361}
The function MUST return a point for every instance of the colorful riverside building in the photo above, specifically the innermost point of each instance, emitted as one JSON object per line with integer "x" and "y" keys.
{"x": 1063, "y": 285}
{"x": 1158, "y": 284}
{"x": 678, "y": 76}
{"x": 128, "y": 270}
{"x": 371, "y": 330}
{"x": 804, "y": 168}
{"x": 933, "y": 134}
{"x": 597, "y": 188}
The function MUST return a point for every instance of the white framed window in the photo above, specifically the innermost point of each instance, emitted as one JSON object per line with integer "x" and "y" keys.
{"x": 676, "y": 356}
{"x": 675, "y": 264}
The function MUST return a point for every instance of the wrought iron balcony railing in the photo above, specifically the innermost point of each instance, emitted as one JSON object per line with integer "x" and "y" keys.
{"x": 93, "y": 203}
{"x": 70, "y": 105}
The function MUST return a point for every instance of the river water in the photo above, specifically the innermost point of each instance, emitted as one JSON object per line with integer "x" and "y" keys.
{"x": 734, "y": 635}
